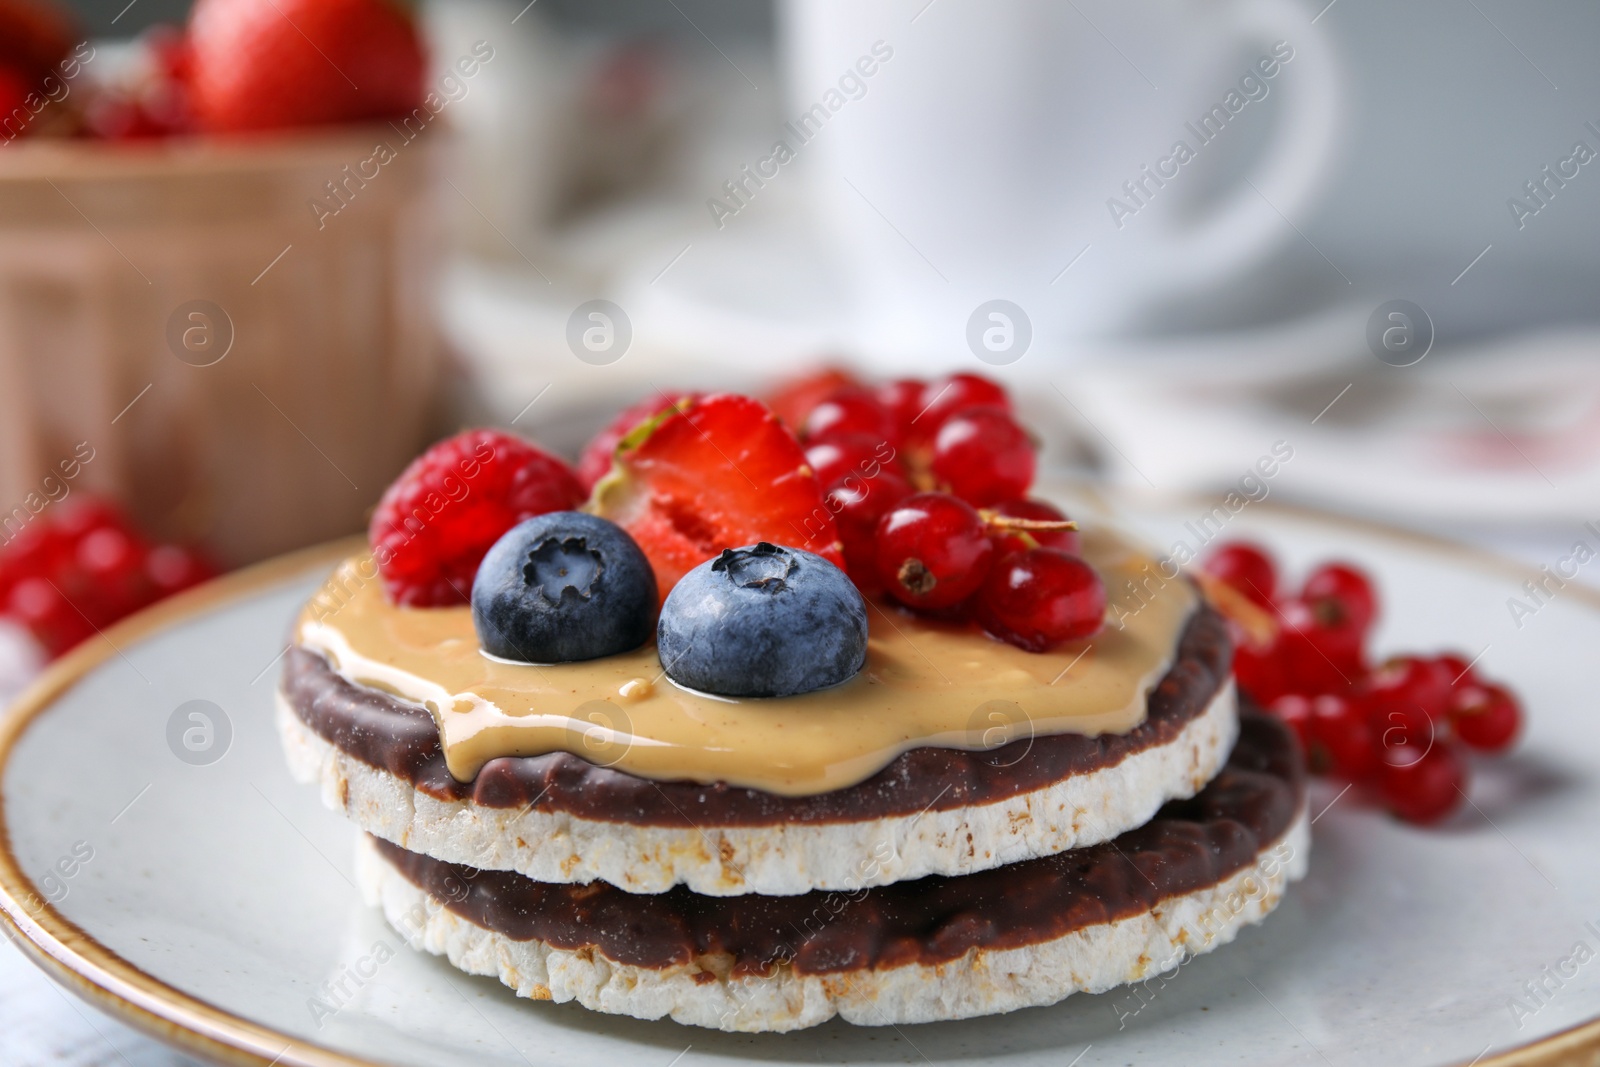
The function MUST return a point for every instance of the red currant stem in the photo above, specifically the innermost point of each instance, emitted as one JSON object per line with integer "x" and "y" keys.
{"x": 1009, "y": 522}
{"x": 1259, "y": 624}
{"x": 917, "y": 461}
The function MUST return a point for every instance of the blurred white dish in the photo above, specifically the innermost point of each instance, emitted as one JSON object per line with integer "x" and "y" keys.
{"x": 968, "y": 151}
{"x": 214, "y": 908}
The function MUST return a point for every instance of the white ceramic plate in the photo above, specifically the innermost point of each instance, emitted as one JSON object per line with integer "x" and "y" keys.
{"x": 209, "y": 901}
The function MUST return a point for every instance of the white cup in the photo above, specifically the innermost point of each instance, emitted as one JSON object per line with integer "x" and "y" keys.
{"x": 1024, "y": 150}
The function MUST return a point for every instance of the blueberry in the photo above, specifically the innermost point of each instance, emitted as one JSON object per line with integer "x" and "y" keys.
{"x": 561, "y": 587}
{"x": 763, "y": 621}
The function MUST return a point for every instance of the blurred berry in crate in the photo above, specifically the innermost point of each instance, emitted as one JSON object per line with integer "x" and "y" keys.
{"x": 204, "y": 275}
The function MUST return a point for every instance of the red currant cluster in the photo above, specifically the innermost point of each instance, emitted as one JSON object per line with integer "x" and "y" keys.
{"x": 1401, "y": 728}
{"x": 928, "y": 484}
{"x": 81, "y": 566}
{"x": 151, "y": 98}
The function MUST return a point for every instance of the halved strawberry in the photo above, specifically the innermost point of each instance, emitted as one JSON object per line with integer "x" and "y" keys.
{"x": 711, "y": 473}
{"x": 595, "y": 461}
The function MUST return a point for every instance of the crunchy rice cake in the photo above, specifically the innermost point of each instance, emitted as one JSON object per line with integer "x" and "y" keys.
{"x": 558, "y": 818}
{"x": 1029, "y": 934}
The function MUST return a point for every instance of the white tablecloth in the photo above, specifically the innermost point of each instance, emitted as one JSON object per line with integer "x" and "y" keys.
{"x": 42, "y": 1025}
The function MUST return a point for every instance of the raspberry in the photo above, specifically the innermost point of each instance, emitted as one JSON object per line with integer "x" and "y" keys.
{"x": 434, "y": 524}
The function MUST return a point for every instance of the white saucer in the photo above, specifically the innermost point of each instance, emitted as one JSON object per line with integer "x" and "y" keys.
{"x": 215, "y": 907}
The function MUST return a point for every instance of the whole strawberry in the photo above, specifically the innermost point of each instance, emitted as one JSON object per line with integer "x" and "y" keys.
{"x": 277, "y": 64}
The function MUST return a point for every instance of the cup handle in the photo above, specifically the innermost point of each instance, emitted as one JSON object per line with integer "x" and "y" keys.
{"x": 1251, "y": 220}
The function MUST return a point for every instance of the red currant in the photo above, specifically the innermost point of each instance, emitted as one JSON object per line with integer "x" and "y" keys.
{"x": 1295, "y": 711}
{"x": 29, "y": 552}
{"x": 959, "y": 392}
{"x": 1015, "y": 540}
{"x": 1247, "y": 568}
{"x": 173, "y": 569}
{"x": 902, "y": 399}
{"x": 983, "y": 457}
{"x": 1318, "y": 657}
{"x": 108, "y": 553}
{"x": 849, "y": 411}
{"x": 114, "y": 564}
{"x": 1459, "y": 667}
{"x": 1339, "y": 593}
{"x": 39, "y": 605}
{"x": 1258, "y": 667}
{"x": 1343, "y": 739}
{"x": 933, "y": 550}
{"x": 1415, "y": 681}
{"x": 1485, "y": 717}
{"x": 848, "y": 454}
{"x": 1399, "y": 723}
{"x": 1039, "y": 597}
{"x": 793, "y": 399}
{"x": 858, "y": 503}
{"x": 1422, "y": 785}
{"x": 81, "y": 515}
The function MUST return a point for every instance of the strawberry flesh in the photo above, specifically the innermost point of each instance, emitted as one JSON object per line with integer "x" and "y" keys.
{"x": 595, "y": 462}
{"x": 713, "y": 473}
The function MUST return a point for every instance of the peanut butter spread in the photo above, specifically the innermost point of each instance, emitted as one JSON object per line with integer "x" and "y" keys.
{"x": 925, "y": 683}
